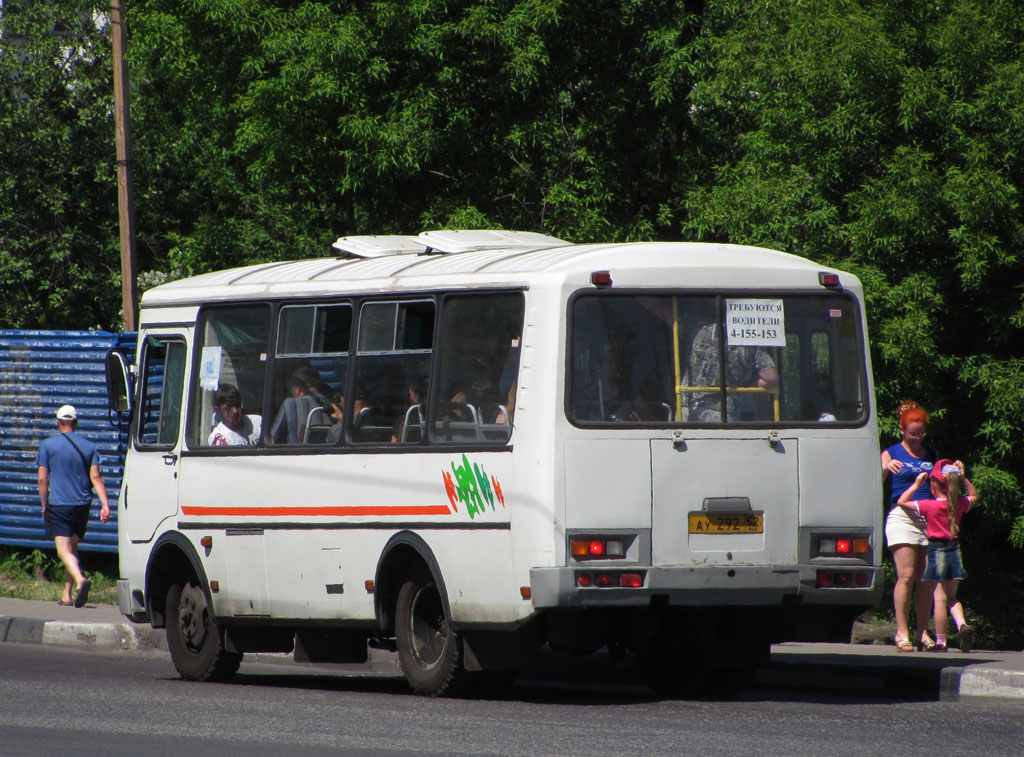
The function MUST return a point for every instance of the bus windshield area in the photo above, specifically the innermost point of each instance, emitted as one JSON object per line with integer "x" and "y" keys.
{"x": 716, "y": 359}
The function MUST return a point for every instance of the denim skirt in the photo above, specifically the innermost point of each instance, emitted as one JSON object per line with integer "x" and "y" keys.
{"x": 944, "y": 563}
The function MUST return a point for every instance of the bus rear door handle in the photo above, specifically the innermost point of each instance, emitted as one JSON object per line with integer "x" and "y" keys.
{"x": 170, "y": 458}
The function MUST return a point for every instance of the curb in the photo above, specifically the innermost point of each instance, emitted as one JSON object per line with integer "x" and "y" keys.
{"x": 120, "y": 636}
{"x": 991, "y": 682}
{"x": 872, "y": 678}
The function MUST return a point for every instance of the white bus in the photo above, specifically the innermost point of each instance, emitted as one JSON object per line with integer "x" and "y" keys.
{"x": 497, "y": 441}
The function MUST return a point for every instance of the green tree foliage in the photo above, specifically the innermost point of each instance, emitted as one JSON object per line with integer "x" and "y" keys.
{"x": 884, "y": 138}
{"x": 59, "y": 260}
{"x": 286, "y": 124}
{"x": 881, "y": 137}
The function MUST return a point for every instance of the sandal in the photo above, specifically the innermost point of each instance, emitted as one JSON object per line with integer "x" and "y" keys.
{"x": 966, "y": 637}
{"x": 925, "y": 643}
{"x": 937, "y": 648}
{"x": 82, "y": 595}
{"x": 904, "y": 645}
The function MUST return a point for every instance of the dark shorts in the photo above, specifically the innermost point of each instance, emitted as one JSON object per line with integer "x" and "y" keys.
{"x": 64, "y": 520}
{"x": 944, "y": 563}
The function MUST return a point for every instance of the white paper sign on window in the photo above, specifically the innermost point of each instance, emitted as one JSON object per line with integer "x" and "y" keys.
{"x": 209, "y": 368}
{"x": 755, "y": 323}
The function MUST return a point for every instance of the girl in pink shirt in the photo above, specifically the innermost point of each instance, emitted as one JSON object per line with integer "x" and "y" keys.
{"x": 943, "y": 513}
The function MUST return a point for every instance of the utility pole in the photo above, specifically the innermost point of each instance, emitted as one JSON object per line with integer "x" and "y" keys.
{"x": 122, "y": 136}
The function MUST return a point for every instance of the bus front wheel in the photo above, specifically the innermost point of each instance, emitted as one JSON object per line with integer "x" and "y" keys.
{"x": 193, "y": 638}
{"x": 429, "y": 649}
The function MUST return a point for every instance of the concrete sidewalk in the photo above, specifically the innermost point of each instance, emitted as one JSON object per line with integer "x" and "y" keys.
{"x": 833, "y": 667}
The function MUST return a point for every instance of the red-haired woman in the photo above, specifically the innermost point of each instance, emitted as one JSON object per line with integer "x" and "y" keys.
{"x": 905, "y": 530}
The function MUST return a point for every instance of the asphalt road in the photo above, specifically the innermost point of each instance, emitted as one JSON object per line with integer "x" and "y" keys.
{"x": 56, "y": 700}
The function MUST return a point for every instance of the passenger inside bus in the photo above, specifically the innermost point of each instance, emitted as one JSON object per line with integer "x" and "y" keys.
{"x": 291, "y": 416}
{"x": 360, "y": 407}
{"x": 457, "y": 407}
{"x": 410, "y": 427}
{"x": 505, "y": 412}
{"x": 745, "y": 366}
{"x": 233, "y": 429}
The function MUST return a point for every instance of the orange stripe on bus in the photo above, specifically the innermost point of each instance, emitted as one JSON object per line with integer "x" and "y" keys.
{"x": 325, "y": 510}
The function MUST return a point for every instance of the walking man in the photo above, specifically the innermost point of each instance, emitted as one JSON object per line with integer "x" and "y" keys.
{"x": 69, "y": 469}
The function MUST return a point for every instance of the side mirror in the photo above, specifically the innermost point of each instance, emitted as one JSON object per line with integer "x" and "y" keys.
{"x": 119, "y": 387}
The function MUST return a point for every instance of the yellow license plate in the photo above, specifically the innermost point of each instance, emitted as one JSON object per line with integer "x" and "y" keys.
{"x": 726, "y": 523}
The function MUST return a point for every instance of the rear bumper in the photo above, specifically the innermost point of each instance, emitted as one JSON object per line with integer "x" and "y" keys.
{"x": 706, "y": 586}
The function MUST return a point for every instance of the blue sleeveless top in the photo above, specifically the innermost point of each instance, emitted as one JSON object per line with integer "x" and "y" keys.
{"x": 912, "y": 466}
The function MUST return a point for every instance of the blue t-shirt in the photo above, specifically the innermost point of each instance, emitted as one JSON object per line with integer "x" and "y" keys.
{"x": 912, "y": 466}
{"x": 69, "y": 474}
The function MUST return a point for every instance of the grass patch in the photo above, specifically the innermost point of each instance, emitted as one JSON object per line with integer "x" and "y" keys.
{"x": 38, "y": 574}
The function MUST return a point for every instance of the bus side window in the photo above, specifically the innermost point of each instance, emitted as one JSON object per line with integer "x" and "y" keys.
{"x": 478, "y": 368}
{"x": 393, "y": 352}
{"x": 163, "y": 380}
{"x": 232, "y": 343}
{"x": 310, "y": 369}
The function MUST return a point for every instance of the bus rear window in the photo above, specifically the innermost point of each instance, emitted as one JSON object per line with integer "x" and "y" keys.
{"x": 704, "y": 359}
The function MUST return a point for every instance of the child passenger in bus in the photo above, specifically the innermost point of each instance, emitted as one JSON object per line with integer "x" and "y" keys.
{"x": 235, "y": 429}
{"x": 336, "y": 433}
{"x": 943, "y": 513}
{"x": 409, "y": 427}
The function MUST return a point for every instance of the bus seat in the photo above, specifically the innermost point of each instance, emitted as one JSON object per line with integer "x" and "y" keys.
{"x": 318, "y": 423}
{"x": 412, "y": 426}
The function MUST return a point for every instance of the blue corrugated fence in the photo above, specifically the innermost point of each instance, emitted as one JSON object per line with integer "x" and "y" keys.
{"x": 39, "y": 372}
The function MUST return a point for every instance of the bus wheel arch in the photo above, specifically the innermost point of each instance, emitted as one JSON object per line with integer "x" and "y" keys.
{"x": 177, "y": 589}
{"x": 172, "y": 556}
{"x": 404, "y": 553}
{"x": 412, "y": 604}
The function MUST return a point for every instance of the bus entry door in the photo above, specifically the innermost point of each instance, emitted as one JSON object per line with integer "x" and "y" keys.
{"x": 724, "y": 502}
{"x": 150, "y": 484}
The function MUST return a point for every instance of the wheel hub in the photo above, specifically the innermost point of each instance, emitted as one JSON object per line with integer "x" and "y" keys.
{"x": 192, "y": 617}
{"x": 429, "y": 628}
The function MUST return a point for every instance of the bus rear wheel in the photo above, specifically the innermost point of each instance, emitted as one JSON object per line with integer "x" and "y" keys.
{"x": 429, "y": 649}
{"x": 193, "y": 637}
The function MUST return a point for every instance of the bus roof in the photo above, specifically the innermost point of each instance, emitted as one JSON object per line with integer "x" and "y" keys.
{"x": 520, "y": 262}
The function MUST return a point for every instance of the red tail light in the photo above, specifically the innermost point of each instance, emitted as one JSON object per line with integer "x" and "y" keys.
{"x": 631, "y": 580}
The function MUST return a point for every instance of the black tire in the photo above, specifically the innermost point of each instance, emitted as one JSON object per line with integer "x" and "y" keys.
{"x": 194, "y": 639}
{"x": 429, "y": 649}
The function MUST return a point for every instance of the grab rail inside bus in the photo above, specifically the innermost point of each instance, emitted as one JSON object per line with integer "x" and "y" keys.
{"x": 772, "y": 390}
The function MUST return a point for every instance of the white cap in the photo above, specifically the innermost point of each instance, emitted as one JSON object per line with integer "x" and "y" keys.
{"x": 67, "y": 413}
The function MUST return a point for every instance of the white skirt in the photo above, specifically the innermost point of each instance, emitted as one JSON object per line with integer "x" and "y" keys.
{"x": 902, "y": 527}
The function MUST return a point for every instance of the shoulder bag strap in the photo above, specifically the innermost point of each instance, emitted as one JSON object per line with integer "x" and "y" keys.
{"x": 88, "y": 468}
